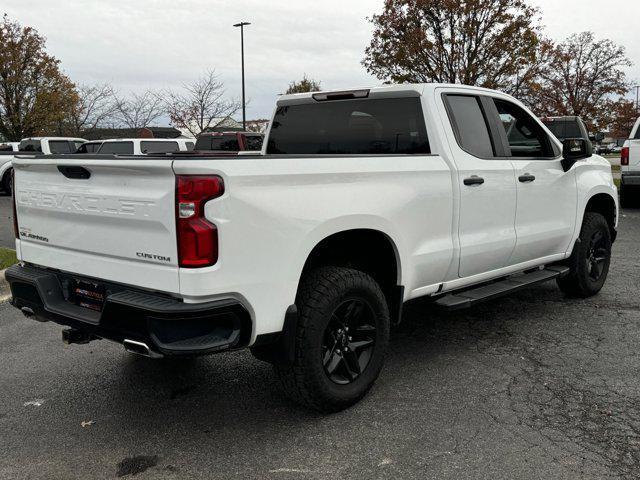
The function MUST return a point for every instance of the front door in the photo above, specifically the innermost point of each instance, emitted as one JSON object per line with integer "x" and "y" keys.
{"x": 546, "y": 194}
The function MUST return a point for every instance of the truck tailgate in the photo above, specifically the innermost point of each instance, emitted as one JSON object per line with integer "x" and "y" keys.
{"x": 118, "y": 224}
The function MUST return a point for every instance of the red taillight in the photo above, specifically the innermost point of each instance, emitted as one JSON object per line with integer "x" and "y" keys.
{"x": 197, "y": 237}
{"x": 13, "y": 201}
{"x": 624, "y": 156}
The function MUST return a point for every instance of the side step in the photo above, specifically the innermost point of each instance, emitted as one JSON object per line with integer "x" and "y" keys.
{"x": 467, "y": 298}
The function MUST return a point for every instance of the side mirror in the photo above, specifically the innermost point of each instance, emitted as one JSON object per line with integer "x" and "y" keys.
{"x": 573, "y": 150}
{"x": 599, "y": 136}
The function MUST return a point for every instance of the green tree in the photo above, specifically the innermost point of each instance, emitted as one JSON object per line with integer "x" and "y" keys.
{"x": 303, "y": 86}
{"x": 488, "y": 43}
{"x": 35, "y": 96}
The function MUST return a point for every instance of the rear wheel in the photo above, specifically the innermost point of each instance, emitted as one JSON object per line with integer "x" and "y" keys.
{"x": 341, "y": 341}
{"x": 589, "y": 262}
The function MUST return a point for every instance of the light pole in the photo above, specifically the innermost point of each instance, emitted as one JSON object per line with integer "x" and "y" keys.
{"x": 244, "y": 111}
{"x": 637, "y": 98}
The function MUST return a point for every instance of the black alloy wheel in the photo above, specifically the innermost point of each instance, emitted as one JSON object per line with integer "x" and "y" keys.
{"x": 349, "y": 340}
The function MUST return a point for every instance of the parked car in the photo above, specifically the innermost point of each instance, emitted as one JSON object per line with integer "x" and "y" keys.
{"x": 145, "y": 146}
{"x": 229, "y": 142}
{"x": 9, "y": 146}
{"x": 363, "y": 200}
{"x": 89, "y": 147}
{"x": 34, "y": 146}
{"x": 567, "y": 127}
{"x": 630, "y": 169}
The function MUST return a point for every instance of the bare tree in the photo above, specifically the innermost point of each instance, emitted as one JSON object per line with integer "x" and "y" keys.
{"x": 200, "y": 105}
{"x": 96, "y": 106}
{"x": 139, "y": 110}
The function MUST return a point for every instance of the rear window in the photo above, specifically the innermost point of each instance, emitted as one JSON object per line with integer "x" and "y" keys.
{"x": 366, "y": 126}
{"x": 227, "y": 143}
{"x": 61, "y": 146}
{"x": 92, "y": 147}
{"x": 30, "y": 146}
{"x": 254, "y": 142}
{"x": 158, "y": 147}
{"x": 117, "y": 148}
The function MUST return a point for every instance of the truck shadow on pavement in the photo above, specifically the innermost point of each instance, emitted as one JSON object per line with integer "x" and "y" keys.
{"x": 547, "y": 372}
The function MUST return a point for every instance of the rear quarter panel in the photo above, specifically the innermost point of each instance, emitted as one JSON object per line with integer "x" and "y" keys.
{"x": 275, "y": 210}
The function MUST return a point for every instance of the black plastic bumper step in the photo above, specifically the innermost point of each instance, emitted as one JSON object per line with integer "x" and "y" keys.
{"x": 456, "y": 301}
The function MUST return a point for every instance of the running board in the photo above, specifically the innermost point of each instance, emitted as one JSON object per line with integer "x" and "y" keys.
{"x": 467, "y": 298}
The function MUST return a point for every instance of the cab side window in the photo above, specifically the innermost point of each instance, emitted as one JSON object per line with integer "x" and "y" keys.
{"x": 525, "y": 136}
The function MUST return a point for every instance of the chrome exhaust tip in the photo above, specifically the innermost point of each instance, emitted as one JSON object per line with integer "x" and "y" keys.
{"x": 139, "y": 348}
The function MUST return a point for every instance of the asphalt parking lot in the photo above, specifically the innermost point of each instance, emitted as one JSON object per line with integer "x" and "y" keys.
{"x": 530, "y": 386}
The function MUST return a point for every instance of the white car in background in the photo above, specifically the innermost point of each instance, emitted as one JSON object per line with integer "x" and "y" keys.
{"x": 630, "y": 168}
{"x": 37, "y": 146}
{"x": 145, "y": 146}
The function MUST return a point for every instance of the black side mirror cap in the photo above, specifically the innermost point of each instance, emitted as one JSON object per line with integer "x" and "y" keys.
{"x": 573, "y": 150}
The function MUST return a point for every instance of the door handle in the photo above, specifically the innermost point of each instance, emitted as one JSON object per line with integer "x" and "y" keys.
{"x": 526, "y": 178}
{"x": 473, "y": 180}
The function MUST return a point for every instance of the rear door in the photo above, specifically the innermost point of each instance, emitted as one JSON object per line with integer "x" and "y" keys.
{"x": 108, "y": 219}
{"x": 486, "y": 181}
{"x": 546, "y": 194}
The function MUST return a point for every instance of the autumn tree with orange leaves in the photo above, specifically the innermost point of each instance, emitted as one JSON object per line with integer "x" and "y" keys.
{"x": 35, "y": 96}
{"x": 487, "y": 43}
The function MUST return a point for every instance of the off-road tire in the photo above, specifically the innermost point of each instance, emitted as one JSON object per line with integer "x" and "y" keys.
{"x": 579, "y": 282}
{"x": 322, "y": 291}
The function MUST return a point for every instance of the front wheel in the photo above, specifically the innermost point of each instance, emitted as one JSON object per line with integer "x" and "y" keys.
{"x": 341, "y": 341}
{"x": 589, "y": 262}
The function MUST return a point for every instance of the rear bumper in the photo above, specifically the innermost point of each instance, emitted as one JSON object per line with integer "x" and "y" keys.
{"x": 167, "y": 325}
{"x": 630, "y": 178}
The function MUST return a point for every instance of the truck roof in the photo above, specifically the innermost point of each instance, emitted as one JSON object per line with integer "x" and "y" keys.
{"x": 419, "y": 88}
{"x": 55, "y": 138}
{"x": 219, "y": 134}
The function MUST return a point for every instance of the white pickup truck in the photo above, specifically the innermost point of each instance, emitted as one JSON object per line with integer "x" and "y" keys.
{"x": 34, "y": 145}
{"x": 630, "y": 169}
{"x": 361, "y": 200}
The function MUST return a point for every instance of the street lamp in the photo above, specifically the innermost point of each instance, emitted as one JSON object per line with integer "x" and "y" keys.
{"x": 244, "y": 111}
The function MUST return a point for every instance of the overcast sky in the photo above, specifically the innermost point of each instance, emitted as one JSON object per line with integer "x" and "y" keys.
{"x": 162, "y": 43}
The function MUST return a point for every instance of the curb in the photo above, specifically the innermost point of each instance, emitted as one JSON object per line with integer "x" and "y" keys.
{"x": 5, "y": 290}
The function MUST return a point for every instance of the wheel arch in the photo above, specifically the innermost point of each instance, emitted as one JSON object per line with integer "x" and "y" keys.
{"x": 604, "y": 204}
{"x": 369, "y": 250}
